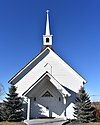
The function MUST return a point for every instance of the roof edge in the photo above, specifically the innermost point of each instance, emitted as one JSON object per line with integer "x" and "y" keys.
{"x": 18, "y": 73}
{"x": 41, "y": 77}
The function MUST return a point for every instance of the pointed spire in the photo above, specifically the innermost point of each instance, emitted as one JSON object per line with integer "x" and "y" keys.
{"x": 47, "y": 38}
{"x": 47, "y": 24}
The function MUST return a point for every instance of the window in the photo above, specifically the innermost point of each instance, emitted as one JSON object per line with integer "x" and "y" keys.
{"x": 59, "y": 99}
{"x": 47, "y": 40}
{"x": 34, "y": 98}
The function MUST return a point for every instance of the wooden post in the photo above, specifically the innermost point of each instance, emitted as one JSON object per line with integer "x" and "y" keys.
{"x": 28, "y": 109}
{"x": 65, "y": 102}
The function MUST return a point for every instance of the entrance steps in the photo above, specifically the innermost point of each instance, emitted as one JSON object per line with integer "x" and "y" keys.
{"x": 46, "y": 121}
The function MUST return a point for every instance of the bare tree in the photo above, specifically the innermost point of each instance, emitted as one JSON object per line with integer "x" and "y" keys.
{"x": 2, "y": 90}
{"x": 2, "y": 93}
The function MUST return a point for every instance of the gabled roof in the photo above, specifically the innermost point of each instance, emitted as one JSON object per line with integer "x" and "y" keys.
{"x": 58, "y": 86}
{"x": 27, "y": 65}
{"x": 45, "y": 52}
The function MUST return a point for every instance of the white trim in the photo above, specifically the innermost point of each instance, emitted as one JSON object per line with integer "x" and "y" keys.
{"x": 53, "y": 81}
{"x": 28, "y": 109}
{"x": 65, "y": 111}
{"x": 43, "y": 92}
{"x": 27, "y": 66}
{"x": 59, "y": 59}
{"x": 69, "y": 68}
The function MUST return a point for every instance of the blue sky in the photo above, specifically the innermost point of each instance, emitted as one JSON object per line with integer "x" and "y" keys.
{"x": 75, "y": 25}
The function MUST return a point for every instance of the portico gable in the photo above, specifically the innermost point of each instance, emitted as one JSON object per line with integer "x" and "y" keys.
{"x": 53, "y": 81}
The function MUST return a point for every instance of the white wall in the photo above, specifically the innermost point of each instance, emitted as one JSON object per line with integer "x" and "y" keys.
{"x": 59, "y": 71}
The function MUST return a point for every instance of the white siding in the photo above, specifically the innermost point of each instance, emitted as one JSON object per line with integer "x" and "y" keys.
{"x": 59, "y": 71}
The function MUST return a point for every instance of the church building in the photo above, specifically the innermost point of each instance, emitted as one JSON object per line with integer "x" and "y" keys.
{"x": 48, "y": 84}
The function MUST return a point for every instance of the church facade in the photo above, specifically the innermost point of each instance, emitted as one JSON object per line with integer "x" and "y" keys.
{"x": 48, "y": 84}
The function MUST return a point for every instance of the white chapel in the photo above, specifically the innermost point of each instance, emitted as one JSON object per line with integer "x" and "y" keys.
{"x": 48, "y": 84}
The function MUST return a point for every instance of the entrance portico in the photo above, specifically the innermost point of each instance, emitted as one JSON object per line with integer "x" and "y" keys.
{"x": 46, "y": 98}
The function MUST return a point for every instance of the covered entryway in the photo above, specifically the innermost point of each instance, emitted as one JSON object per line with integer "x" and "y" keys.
{"x": 48, "y": 102}
{"x": 46, "y": 98}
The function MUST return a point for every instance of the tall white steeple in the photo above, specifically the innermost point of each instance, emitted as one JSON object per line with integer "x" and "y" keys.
{"x": 47, "y": 24}
{"x": 47, "y": 38}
